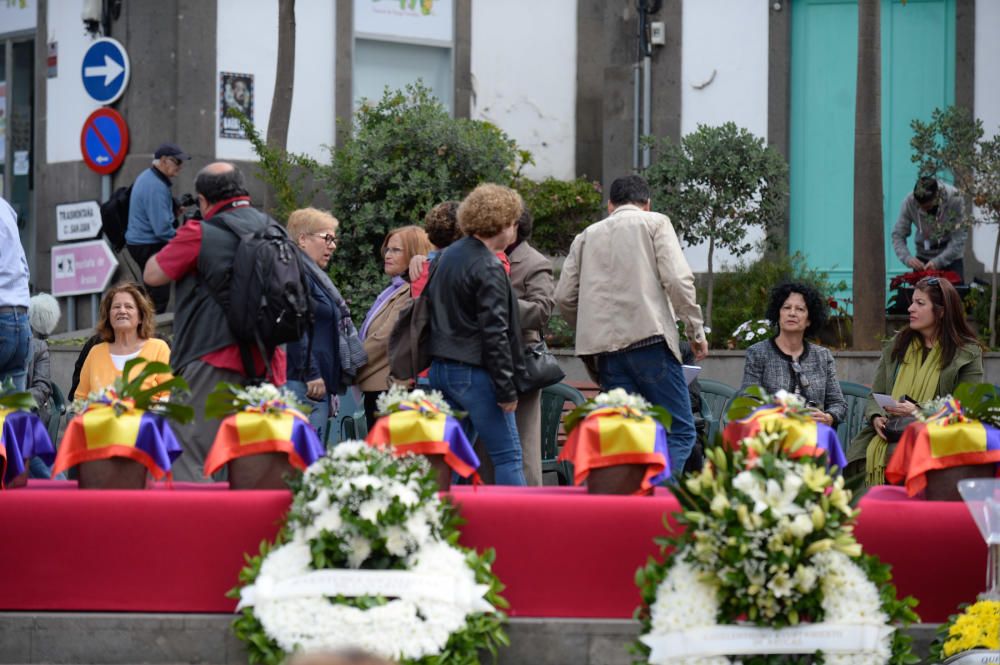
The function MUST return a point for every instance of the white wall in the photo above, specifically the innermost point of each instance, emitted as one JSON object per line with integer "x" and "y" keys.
{"x": 727, "y": 40}
{"x": 524, "y": 77}
{"x": 15, "y": 18}
{"x": 987, "y": 105}
{"x": 247, "y": 37}
{"x": 67, "y": 103}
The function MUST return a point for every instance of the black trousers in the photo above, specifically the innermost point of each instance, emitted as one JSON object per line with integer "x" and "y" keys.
{"x": 160, "y": 295}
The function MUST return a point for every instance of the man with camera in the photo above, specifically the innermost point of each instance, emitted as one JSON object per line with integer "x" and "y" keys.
{"x": 152, "y": 213}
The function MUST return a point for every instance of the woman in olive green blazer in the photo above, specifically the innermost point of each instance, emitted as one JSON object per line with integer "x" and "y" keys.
{"x": 936, "y": 318}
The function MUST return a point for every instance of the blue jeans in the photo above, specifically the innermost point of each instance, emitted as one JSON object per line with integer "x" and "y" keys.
{"x": 15, "y": 344}
{"x": 471, "y": 389}
{"x": 320, "y": 415}
{"x": 654, "y": 373}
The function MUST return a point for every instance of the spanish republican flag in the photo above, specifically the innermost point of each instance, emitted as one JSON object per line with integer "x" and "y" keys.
{"x": 253, "y": 432}
{"x": 819, "y": 438}
{"x": 611, "y": 436}
{"x": 22, "y": 436}
{"x": 99, "y": 433}
{"x": 423, "y": 429}
{"x": 945, "y": 440}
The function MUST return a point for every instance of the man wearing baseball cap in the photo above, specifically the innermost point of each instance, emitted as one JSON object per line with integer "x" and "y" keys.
{"x": 151, "y": 213}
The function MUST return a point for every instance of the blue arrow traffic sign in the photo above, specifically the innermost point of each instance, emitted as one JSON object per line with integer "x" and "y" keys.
{"x": 105, "y": 70}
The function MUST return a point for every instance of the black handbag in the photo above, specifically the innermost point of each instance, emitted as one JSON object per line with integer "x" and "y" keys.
{"x": 541, "y": 369}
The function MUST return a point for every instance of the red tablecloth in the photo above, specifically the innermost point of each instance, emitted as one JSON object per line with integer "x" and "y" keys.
{"x": 560, "y": 552}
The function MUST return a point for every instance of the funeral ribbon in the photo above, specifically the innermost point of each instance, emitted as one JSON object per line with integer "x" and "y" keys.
{"x": 420, "y": 427}
{"x": 947, "y": 439}
{"x": 257, "y": 430}
{"x": 22, "y": 436}
{"x": 610, "y": 436}
{"x": 114, "y": 428}
{"x": 819, "y": 438}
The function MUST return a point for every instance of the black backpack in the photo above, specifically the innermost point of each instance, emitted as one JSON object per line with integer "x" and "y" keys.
{"x": 269, "y": 296}
{"x": 114, "y": 217}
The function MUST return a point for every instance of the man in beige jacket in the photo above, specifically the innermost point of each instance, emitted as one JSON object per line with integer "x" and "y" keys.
{"x": 624, "y": 281}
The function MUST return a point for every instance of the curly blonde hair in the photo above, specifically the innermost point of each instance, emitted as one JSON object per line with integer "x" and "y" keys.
{"x": 489, "y": 209}
{"x": 307, "y": 220}
{"x": 147, "y": 316}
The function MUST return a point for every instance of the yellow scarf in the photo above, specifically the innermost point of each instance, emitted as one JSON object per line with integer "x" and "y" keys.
{"x": 918, "y": 378}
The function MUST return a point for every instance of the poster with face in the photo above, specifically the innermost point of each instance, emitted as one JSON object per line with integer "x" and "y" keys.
{"x": 235, "y": 93}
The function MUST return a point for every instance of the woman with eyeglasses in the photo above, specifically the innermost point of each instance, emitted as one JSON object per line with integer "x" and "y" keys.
{"x": 314, "y": 370}
{"x": 927, "y": 359}
{"x": 399, "y": 246}
{"x": 789, "y": 362}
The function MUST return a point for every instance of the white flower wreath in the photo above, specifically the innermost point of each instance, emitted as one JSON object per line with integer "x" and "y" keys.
{"x": 769, "y": 539}
{"x": 402, "y": 590}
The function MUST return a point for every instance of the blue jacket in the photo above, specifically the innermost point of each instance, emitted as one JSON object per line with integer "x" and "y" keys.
{"x": 150, "y": 210}
{"x": 325, "y": 359}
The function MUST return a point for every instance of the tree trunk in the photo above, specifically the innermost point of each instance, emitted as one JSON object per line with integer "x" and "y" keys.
{"x": 284, "y": 82}
{"x": 711, "y": 281}
{"x": 993, "y": 293}
{"x": 869, "y": 227}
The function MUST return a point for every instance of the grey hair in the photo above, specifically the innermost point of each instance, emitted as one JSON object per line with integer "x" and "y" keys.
{"x": 44, "y": 313}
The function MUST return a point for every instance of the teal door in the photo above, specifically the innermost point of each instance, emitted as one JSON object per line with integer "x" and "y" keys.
{"x": 918, "y": 75}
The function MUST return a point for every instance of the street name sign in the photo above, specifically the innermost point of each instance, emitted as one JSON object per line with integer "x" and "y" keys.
{"x": 78, "y": 221}
{"x": 105, "y": 70}
{"x": 82, "y": 267}
{"x": 104, "y": 141}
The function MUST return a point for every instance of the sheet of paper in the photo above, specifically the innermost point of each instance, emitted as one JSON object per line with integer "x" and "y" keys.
{"x": 884, "y": 400}
{"x": 690, "y": 373}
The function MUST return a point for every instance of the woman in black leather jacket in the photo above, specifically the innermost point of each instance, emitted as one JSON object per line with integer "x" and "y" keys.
{"x": 475, "y": 335}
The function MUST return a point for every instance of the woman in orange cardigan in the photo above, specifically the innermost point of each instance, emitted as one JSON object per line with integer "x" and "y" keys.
{"x": 126, "y": 323}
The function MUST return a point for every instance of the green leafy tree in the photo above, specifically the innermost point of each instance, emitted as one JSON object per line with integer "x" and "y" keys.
{"x": 953, "y": 141}
{"x": 405, "y": 155}
{"x": 561, "y": 209}
{"x": 716, "y": 185}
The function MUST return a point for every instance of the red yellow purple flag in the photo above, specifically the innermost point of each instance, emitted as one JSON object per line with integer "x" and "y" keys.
{"x": 252, "y": 432}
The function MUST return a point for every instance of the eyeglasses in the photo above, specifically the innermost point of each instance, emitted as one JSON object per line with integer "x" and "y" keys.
{"x": 328, "y": 238}
{"x": 176, "y": 161}
{"x": 799, "y": 376}
{"x": 932, "y": 281}
{"x": 393, "y": 250}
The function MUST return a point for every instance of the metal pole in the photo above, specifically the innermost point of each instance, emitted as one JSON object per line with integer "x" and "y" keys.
{"x": 647, "y": 85}
{"x": 94, "y": 301}
{"x": 635, "y": 116}
{"x": 105, "y": 188}
{"x": 71, "y": 313}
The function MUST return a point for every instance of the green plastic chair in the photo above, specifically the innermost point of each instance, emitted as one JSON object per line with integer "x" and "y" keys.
{"x": 349, "y": 423}
{"x": 553, "y": 399}
{"x": 857, "y": 399}
{"x": 57, "y": 407}
{"x": 715, "y": 399}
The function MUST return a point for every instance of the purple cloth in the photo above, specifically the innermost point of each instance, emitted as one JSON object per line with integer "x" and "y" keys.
{"x": 380, "y": 302}
{"x": 156, "y": 439}
{"x": 306, "y": 442}
{"x": 660, "y": 446}
{"x": 459, "y": 444}
{"x": 827, "y": 441}
{"x": 25, "y": 436}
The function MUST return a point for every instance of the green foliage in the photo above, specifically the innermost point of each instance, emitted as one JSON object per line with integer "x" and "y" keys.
{"x": 127, "y": 393}
{"x": 405, "y": 155}
{"x": 287, "y": 174}
{"x": 716, "y": 185}
{"x": 977, "y": 309}
{"x": 742, "y": 293}
{"x": 561, "y": 208}
{"x": 558, "y": 333}
{"x": 15, "y": 399}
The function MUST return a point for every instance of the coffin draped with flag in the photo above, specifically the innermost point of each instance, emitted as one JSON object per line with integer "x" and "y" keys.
{"x": 944, "y": 440}
{"x": 420, "y": 427}
{"x": 115, "y": 428}
{"x": 22, "y": 436}
{"x": 612, "y": 436}
{"x": 814, "y": 438}
{"x": 264, "y": 430}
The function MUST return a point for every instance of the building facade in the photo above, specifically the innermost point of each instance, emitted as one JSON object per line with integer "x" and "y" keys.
{"x": 558, "y": 76}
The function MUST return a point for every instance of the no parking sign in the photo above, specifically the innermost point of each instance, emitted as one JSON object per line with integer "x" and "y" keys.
{"x": 104, "y": 141}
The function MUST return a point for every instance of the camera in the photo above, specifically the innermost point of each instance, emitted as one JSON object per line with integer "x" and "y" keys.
{"x": 189, "y": 206}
